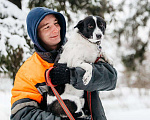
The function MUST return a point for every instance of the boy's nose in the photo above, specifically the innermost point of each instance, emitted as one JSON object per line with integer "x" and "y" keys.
{"x": 55, "y": 29}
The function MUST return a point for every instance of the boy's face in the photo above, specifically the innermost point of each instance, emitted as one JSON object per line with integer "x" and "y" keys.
{"x": 49, "y": 32}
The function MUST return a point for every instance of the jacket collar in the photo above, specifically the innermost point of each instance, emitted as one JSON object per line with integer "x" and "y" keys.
{"x": 50, "y": 57}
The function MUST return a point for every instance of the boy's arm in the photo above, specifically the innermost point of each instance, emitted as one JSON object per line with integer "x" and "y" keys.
{"x": 104, "y": 77}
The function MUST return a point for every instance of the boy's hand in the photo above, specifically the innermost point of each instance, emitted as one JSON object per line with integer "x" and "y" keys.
{"x": 60, "y": 74}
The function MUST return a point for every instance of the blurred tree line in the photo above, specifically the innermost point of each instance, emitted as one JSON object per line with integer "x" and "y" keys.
{"x": 134, "y": 57}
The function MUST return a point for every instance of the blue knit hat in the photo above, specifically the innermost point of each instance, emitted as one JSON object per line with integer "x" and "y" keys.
{"x": 35, "y": 16}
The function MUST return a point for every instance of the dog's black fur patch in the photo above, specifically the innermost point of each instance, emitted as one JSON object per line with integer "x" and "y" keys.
{"x": 87, "y": 26}
{"x": 60, "y": 89}
{"x": 57, "y": 110}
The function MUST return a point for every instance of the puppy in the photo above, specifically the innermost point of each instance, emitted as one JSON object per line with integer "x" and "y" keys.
{"x": 82, "y": 49}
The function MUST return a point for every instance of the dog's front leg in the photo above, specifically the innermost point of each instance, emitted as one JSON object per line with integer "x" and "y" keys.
{"x": 88, "y": 68}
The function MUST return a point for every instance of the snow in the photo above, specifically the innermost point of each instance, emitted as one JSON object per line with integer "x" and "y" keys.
{"x": 142, "y": 114}
{"x": 12, "y": 27}
{"x": 126, "y": 104}
{"x": 5, "y": 97}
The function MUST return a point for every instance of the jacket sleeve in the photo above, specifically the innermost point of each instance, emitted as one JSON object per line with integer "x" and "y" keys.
{"x": 30, "y": 111}
{"x": 104, "y": 77}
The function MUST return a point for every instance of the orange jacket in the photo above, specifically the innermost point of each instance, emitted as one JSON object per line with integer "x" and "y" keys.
{"x": 30, "y": 74}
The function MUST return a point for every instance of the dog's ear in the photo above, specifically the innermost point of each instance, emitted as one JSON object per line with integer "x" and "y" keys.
{"x": 105, "y": 24}
{"x": 79, "y": 25}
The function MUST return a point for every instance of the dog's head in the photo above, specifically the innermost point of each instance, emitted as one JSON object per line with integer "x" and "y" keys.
{"x": 92, "y": 28}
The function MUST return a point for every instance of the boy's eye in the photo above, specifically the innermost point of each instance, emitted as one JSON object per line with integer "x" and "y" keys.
{"x": 56, "y": 23}
{"x": 46, "y": 27}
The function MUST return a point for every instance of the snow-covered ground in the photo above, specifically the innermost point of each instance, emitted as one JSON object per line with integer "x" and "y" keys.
{"x": 138, "y": 114}
{"x": 5, "y": 97}
{"x": 120, "y": 104}
{"x": 126, "y": 104}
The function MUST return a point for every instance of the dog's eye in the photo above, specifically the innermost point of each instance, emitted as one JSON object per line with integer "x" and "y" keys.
{"x": 102, "y": 26}
{"x": 90, "y": 26}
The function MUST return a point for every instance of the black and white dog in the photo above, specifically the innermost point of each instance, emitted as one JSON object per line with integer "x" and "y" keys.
{"x": 81, "y": 50}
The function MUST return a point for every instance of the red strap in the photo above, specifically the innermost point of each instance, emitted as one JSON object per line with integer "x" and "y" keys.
{"x": 61, "y": 102}
{"x": 89, "y": 103}
{"x": 98, "y": 59}
{"x": 48, "y": 79}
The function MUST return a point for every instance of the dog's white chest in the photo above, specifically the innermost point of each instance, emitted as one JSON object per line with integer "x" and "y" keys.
{"x": 79, "y": 50}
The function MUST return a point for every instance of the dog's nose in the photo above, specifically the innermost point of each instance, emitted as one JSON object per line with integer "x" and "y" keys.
{"x": 98, "y": 36}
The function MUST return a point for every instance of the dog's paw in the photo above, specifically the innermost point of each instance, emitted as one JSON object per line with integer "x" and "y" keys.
{"x": 87, "y": 77}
